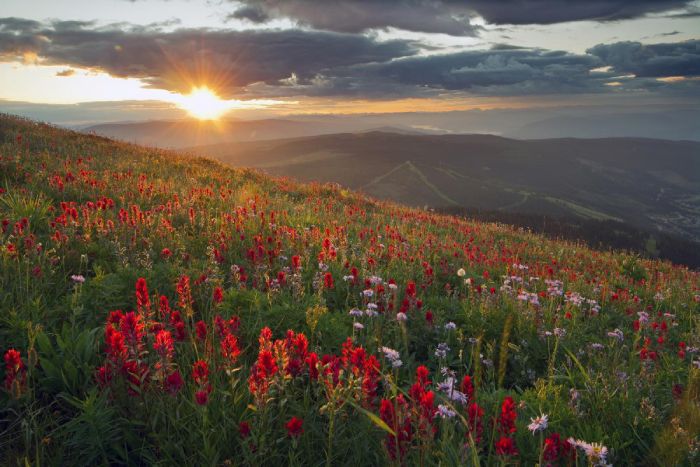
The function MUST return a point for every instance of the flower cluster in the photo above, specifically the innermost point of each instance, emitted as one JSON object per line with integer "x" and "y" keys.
{"x": 505, "y": 445}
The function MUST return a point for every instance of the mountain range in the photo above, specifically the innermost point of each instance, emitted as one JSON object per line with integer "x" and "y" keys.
{"x": 652, "y": 184}
{"x": 536, "y": 123}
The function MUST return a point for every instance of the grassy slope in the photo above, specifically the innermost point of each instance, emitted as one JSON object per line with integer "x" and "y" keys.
{"x": 107, "y": 211}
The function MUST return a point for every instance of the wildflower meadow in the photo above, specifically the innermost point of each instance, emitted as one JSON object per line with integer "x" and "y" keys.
{"x": 160, "y": 309}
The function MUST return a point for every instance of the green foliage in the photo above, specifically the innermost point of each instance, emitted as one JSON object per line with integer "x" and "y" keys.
{"x": 631, "y": 268}
{"x": 33, "y": 207}
{"x": 69, "y": 364}
{"x": 96, "y": 434}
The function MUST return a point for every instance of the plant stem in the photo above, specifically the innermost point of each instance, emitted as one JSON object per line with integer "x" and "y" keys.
{"x": 329, "y": 451}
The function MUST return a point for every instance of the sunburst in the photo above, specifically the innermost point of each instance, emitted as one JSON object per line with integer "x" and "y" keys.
{"x": 203, "y": 104}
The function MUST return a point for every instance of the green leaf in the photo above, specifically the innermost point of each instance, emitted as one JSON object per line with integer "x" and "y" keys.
{"x": 44, "y": 344}
{"x": 71, "y": 371}
{"x": 373, "y": 418}
{"x": 578, "y": 364}
{"x": 50, "y": 369}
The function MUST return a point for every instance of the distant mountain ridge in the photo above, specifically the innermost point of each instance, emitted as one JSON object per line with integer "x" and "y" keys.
{"x": 653, "y": 184}
{"x": 180, "y": 133}
{"x": 669, "y": 125}
{"x": 536, "y": 123}
{"x": 187, "y": 133}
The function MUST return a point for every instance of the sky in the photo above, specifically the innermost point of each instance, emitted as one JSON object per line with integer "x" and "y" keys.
{"x": 141, "y": 59}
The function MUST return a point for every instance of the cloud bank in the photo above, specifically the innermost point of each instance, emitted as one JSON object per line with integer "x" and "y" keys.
{"x": 301, "y": 62}
{"x": 453, "y": 17}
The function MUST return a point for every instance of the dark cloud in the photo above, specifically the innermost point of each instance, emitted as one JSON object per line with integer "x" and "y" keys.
{"x": 19, "y": 36}
{"x": 18, "y": 25}
{"x": 251, "y": 13}
{"x": 283, "y": 63}
{"x": 558, "y": 11}
{"x": 495, "y": 72}
{"x": 693, "y": 11}
{"x": 177, "y": 60}
{"x": 499, "y": 71}
{"x": 651, "y": 60}
{"x": 66, "y": 72}
{"x": 354, "y": 16}
{"x": 445, "y": 16}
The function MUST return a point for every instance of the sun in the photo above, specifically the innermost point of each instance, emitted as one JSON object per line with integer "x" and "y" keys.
{"x": 203, "y": 104}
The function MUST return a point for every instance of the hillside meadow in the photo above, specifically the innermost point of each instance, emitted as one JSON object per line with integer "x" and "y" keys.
{"x": 157, "y": 309}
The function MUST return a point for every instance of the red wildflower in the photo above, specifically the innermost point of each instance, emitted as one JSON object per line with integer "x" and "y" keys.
{"x": 476, "y": 427}
{"x": 506, "y": 447}
{"x": 264, "y": 368}
{"x": 104, "y": 375}
{"x": 200, "y": 372}
{"x": 328, "y": 280}
{"x": 467, "y": 387}
{"x": 136, "y": 375}
{"x": 184, "y": 293}
{"x": 265, "y": 338}
{"x": 174, "y": 382}
{"x": 201, "y": 329}
{"x": 386, "y": 412}
{"x": 294, "y": 427}
{"x": 370, "y": 380}
{"x": 411, "y": 289}
{"x": 312, "y": 364}
{"x": 422, "y": 374}
{"x": 131, "y": 326}
{"x": 14, "y": 370}
{"x": 225, "y": 327}
{"x": 557, "y": 449}
{"x": 163, "y": 344}
{"x": 294, "y": 352}
{"x": 677, "y": 391}
{"x": 244, "y": 429}
{"x": 180, "y": 332}
{"x": 229, "y": 349}
{"x": 202, "y": 397}
{"x": 164, "y": 307}
{"x": 506, "y": 419}
{"x": 400, "y": 424}
{"x": 143, "y": 301}
{"x": 427, "y": 404}
{"x": 114, "y": 340}
{"x": 218, "y": 295}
